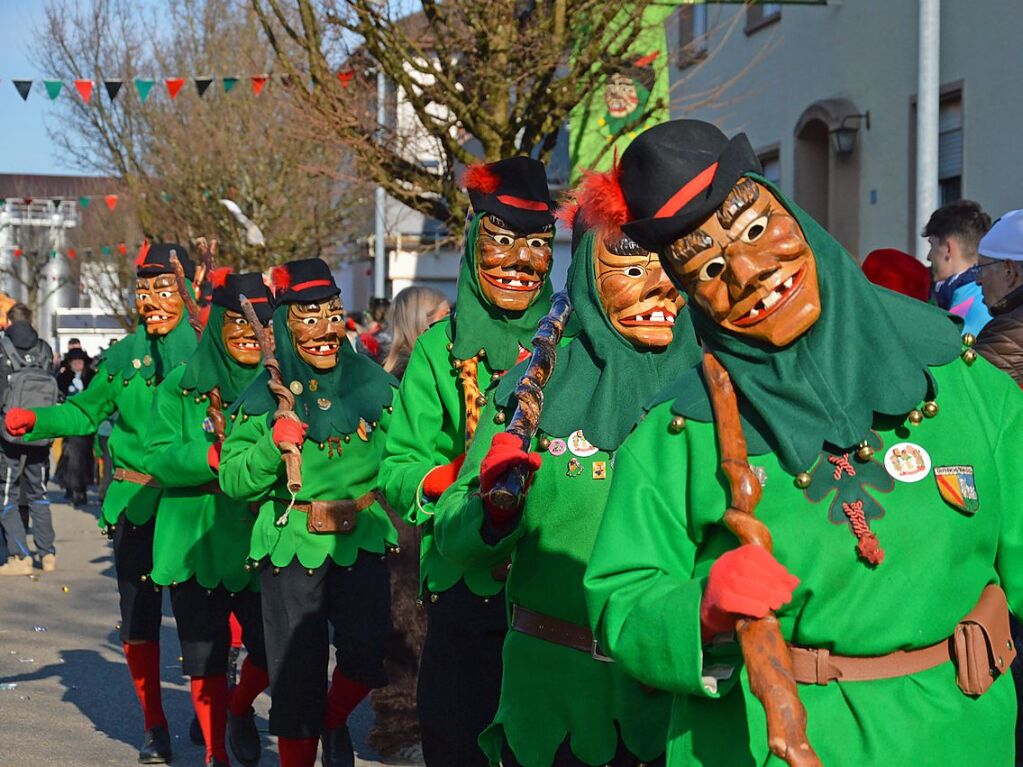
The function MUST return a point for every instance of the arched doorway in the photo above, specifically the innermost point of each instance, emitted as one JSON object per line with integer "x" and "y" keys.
{"x": 811, "y": 171}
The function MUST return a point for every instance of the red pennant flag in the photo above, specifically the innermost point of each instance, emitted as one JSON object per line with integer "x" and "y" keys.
{"x": 72, "y": 253}
{"x": 18, "y": 252}
{"x": 345, "y": 77}
{"x": 84, "y": 88}
{"x": 111, "y": 201}
{"x": 27, "y": 200}
{"x": 258, "y": 81}
{"x": 174, "y": 85}
{"x": 122, "y": 248}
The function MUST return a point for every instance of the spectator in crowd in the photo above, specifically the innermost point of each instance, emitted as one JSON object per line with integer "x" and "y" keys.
{"x": 24, "y": 464}
{"x": 898, "y": 271}
{"x": 376, "y": 341}
{"x": 396, "y": 723}
{"x": 1000, "y": 276}
{"x": 954, "y": 231}
{"x": 75, "y": 469}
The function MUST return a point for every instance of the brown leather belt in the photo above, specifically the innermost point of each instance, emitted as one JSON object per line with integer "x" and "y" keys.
{"x": 135, "y": 477}
{"x": 813, "y": 666}
{"x": 556, "y": 631}
{"x": 332, "y": 516}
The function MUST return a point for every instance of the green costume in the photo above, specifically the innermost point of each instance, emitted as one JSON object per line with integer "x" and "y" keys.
{"x": 870, "y": 359}
{"x": 551, "y": 692}
{"x": 198, "y": 532}
{"x": 124, "y": 382}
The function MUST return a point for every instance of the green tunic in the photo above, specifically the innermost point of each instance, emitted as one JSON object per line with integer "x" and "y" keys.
{"x": 662, "y": 531}
{"x": 428, "y": 430}
{"x": 251, "y": 469}
{"x": 549, "y": 691}
{"x": 198, "y": 533}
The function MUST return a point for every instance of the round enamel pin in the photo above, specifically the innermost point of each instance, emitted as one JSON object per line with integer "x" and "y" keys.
{"x": 557, "y": 447}
{"x": 579, "y": 445}
{"x": 907, "y": 462}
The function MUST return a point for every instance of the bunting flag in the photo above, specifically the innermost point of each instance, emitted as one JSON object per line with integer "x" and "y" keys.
{"x": 83, "y": 202}
{"x": 144, "y": 87}
{"x": 229, "y": 83}
{"x": 53, "y": 88}
{"x": 113, "y": 87}
{"x": 345, "y": 77}
{"x": 72, "y": 253}
{"x": 23, "y": 86}
{"x": 123, "y": 249}
{"x": 202, "y": 84}
{"x": 174, "y": 85}
{"x": 105, "y": 250}
{"x": 258, "y": 81}
{"x": 111, "y": 201}
{"x": 84, "y": 88}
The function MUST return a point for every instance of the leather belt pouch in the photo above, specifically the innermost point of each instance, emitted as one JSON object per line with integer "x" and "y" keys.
{"x": 983, "y": 644}
{"x": 336, "y": 517}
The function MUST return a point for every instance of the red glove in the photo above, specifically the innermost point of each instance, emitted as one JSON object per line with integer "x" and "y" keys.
{"x": 745, "y": 582}
{"x": 441, "y": 478}
{"x": 19, "y": 421}
{"x": 213, "y": 455}
{"x": 289, "y": 430}
{"x": 505, "y": 452}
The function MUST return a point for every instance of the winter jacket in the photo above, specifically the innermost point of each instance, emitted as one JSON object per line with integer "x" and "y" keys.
{"x": 1001, "y": 342}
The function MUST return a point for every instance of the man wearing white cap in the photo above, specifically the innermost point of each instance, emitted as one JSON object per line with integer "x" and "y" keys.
{"x": 1000, "y": 276}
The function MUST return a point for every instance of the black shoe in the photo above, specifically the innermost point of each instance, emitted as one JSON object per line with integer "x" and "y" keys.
{"x": 244, "y": 738}
{"x": 337, "y": 748}
{"x": 156, "y": 748}
{"x": 195, "y": 732}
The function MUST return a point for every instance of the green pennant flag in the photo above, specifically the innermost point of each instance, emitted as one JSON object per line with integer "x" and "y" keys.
{"x": 105, "y": 250}
{"x": 229, "y": 83}
{"x": 83, "y": 202}
{"x": 144, "y": 87}
{"x": 53, "y": 88}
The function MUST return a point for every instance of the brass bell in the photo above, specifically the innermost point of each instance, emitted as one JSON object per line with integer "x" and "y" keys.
{"x": 396, "y": 550}
{"x": 276, "y": 571}
{"x": 542, "y": 444}
{"x": 450, "y": 346}
{"x": 310, "y": 572}
{"x": 482, "y": 354}
{"x": 915, "y": 417}
{"x": 969, "y": 356}
{"x": 930, "y": 409}
{"x": 803, "y": 480}
{"x": 481, "y": 401}
{"x": 457, "y": 364}
{"x": 144, "y": 578}
{"x": 969, "y": 339}
{"x": 499, "y": 418}
{"x": 865, "y": 452}
{"x": 419, "y": 603}
{"x": 678, "y": 423}
{"x": 434, "y": 598}
{"x": 495, "y": 377}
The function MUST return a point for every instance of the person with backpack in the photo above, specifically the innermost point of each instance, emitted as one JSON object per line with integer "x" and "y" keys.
{"x": 26, "y": 381}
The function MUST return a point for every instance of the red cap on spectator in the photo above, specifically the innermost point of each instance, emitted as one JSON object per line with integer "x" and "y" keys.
{"x": 898, "y": 271}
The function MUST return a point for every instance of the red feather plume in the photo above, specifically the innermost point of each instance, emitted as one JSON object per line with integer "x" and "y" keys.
{"x": 480, "y": 178}
{"x": 567, "y": 212}
{"x": 143, "y": 252}
{"x": 601, "y": 199}
{"x": 218, "y": 278}
{"x": 280, "y": 279}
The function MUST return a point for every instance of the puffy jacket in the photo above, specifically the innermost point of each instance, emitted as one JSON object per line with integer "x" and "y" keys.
{"x": 961, "y": 295}
{"x": 1001, "y": 342}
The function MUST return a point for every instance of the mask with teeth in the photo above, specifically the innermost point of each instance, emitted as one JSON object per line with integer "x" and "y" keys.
{"x": 159, "y": 303}
{"x": 239, "y": 339}
{"x": 512, "y": 266}
{"x": 316, "y": 330}
{"x": 749, "y": 267}
{"x": 637, "y": 296}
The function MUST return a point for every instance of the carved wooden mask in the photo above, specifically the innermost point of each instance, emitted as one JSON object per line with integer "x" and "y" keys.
{"x": 159, "y": 303}
{"x": 239, "y": 339}
{"x": 317, "y": 330}
{"x": 511, "y": 266}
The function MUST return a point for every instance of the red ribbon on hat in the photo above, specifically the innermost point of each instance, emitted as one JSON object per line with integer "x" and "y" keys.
{"x": 522, "y": 202}
{"x": 683, "y": 196}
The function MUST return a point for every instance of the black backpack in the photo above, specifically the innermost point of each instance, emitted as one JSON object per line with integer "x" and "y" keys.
{"x": 30, "y": 384}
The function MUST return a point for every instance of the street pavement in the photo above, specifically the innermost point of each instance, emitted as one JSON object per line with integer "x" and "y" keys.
{"x": 66, "y": 698}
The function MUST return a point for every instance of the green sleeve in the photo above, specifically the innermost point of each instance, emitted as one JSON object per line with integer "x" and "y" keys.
{"x": 464, "y": 535}
{"x": 642, "y": 593}
{"x": 1009, "y": 559}
{"x": 415, "y": 425}
{"x": 250, "y": 463}
{"x": 80, "y": 415}
{"x": 175, "y": 454}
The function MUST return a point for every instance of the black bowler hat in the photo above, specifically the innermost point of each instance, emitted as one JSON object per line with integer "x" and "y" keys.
{"x": 155, "y": 259}
{"x": 228, "y": 288}
{"x": 676, "y": 174}
{"x": 307, "y": 280}
{"x": 515, "y": 190}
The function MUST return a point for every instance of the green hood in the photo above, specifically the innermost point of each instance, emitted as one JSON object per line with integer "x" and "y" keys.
{"x": 601, "y": 381}
{"x": 211, "y": 365}
{"x": 478, "y": 324}
{"x": 357, "y": 388}
{"x": 868, "y": 353}
{"x": 149, "y": 356}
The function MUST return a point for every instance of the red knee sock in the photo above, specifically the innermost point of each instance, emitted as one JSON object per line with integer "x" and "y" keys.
{"x": 144, "y": 665}
{"x": 251, "y": 681}
{"x": 236, "y": 632}
{"x": 342, "y": 698}
{"x": 209, "y": 697}
{"x": 297, "y": 752}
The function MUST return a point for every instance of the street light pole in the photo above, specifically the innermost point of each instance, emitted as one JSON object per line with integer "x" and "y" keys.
{"x": 927, "y": 92}
{"x": 379, "y": 263}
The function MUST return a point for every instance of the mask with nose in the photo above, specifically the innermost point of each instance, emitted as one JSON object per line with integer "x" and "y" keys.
{"x": 512, "y": 265}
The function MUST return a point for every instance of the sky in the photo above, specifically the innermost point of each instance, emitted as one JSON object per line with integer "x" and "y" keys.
{"x": 25, "y": 146}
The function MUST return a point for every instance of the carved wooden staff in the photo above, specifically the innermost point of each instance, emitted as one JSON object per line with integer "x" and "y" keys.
{"x": 508, "y": 492}
{"x": 290, "y": 452}
{"x": 194, "y": 313}
{"x": 767, "y": 658}
{"x": 208, "y": 257}
{"x": 215, "y": 412}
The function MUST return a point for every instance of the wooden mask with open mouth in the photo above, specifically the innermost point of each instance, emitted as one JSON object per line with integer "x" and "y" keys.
{"x": 317, "y": 330}
{"x": 159, "y": 303}
{"x": 511, "y": 266}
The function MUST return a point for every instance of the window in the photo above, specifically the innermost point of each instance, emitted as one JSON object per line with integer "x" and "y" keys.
{"x": 950, "y": 149}
{"x": 692, "y": 35}
{"x": 770, "y": 161}
{"x": 760, "y": 15}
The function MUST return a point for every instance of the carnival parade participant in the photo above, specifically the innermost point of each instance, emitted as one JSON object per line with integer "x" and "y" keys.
{"x": 321, "y": 551}
{"x": 562, "y": 702}
{"x": 887, "y": 464}
{"x": 125, "y": 383}
{"x": 201, "y": 542}
{"x": 503, "y": 291}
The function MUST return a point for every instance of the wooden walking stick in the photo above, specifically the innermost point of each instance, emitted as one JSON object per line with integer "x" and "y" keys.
{"x": 208, "y": 258}
{"x": 767, "y": 658}
{"x": 507, "y": 493}
{"x": 290, "y": 452}
{"x": 194, "y": 313}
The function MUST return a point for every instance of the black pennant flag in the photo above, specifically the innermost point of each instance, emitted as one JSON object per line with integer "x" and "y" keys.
{"x": 112, "y": 86}
{"x": 201, "y": 84}
{"x": 23, "y": 86}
